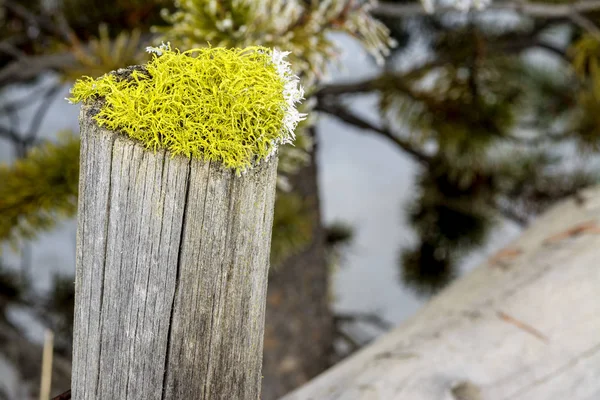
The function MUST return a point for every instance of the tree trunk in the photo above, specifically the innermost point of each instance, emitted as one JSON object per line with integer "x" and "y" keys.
{"x": 525, "y": 325}
{"x": 299, "y": 322}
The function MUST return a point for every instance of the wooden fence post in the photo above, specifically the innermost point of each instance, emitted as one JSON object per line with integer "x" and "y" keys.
{"x": 172, "y": 266}
{"x": 171, "y": 272}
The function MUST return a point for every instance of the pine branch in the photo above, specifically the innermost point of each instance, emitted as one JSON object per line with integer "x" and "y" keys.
{"x": 573, "y": 12}
{"x": 15, "y": 139}
{"x": 29, "y": 68}
{"x": 377, "y": 83}
{"x": 39, "y": 188}
{"x": 369, "y": 318}
{"x": 346, "y": 88}
{"x": 23, "y": 141}
{"x": 551, "y": 48}
{"x": 586, "y": 24}
{"x": 9, "y": 134}
{"x": 350, "y": 341}
{"x": 42, "y": 22}
{"x": 536, "y": 10}
{"x": 7, "y": 47}
{"x": 537, "y": 141}
{"x": 520, "y": 43}
{"x": 511, "y": 46}
{"x": 345, "y": 115}
{"x": 47, "y": 97}
{"x": 22, "y": 102}
{"x": 510, "y": 213}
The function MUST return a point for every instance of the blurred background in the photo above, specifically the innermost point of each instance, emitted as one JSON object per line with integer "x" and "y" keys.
{"x": 432, "y": 140}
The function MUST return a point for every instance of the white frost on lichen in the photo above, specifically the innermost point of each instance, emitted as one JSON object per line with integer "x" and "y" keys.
{"x": 293, "y": 93}
{"x": 159, "y": 50}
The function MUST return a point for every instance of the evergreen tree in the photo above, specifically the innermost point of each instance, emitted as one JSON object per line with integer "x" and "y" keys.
{"x": 496, "y": 133}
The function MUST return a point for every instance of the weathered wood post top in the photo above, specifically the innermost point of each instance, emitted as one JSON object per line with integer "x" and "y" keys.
{"x": 176, "y": 196}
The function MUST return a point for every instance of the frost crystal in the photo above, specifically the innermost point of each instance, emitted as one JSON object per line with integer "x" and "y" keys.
{"x": 292, "y": 92}
{"x": 159, "y": 50}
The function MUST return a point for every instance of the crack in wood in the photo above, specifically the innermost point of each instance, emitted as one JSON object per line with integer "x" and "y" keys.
{"x": 586, "y": 228}
{"x": 522, "y": 325}
{"x": 581, "y": 356}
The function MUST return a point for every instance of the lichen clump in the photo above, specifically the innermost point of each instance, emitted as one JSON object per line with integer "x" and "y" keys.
{"x": 235, "y": 106}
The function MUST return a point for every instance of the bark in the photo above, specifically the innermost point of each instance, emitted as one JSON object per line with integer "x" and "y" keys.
{"x": 299, "y": 322}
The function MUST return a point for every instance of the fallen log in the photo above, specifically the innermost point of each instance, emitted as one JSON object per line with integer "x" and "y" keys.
{"x": 524, "y": 325}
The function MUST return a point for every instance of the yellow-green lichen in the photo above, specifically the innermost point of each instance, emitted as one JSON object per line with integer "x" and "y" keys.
{"x": 229, "y": 105}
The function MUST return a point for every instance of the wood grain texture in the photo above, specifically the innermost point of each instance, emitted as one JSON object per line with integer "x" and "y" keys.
{"x": 171, "y": 273}
{"x": 523, "y": 326}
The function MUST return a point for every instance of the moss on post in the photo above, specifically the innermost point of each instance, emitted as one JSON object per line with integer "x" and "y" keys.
{"x": 235, "y": 106}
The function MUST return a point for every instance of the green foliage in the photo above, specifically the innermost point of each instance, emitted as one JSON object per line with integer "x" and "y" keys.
{"x": 292, "y": 226}
{"x": 586, "y": 127}
{"x": 215, "y": 104}
{"x": 534, "y": 183}
{"x": 452, "y": 209}
{"x": 548, "y": 91}
{"x": 584, "y": 122}
{"x": 12, "y": 290}
{"x": 457, "y": 204}
{"x": 462, "y": 110}
{"x": 586, "y": 62}
{"x": 119, "y": 15}
{"x": 338, "y": 237}
{"x": 452, "y": 213}
{"x": 302, "y": 27}
{"x": 427, "y": 268}
{"x": 338, "y": 233}
{"x": 39, "y": 189}
{"x": 103, "y": 54}
{"x": 490, "y": 121}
